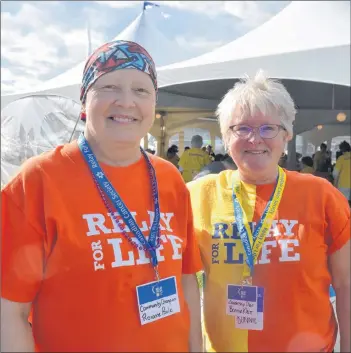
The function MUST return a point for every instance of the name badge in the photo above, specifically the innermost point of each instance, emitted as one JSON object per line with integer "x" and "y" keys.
{"x": 246, "y": 304}
{"x": 157, "y": 300}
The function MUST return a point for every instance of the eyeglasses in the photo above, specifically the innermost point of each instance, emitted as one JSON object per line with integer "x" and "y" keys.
{"x": 266, "y": 131}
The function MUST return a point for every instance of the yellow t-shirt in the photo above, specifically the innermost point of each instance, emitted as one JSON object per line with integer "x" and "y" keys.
{"x": 342, "y": 166}
{"x": 192, "y": 161}
{"x": 312, "y": 221}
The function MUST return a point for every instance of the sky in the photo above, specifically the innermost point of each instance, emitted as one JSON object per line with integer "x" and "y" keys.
{"x": 42, "y": 39}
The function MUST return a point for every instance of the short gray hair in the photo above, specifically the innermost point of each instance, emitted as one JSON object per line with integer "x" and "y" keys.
{"x": 196, "y": 141}
{"x": 257, "y": 94}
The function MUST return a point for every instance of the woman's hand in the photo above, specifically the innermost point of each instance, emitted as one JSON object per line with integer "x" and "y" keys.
{"x": 192, "y": 298}
{"x": 16, "y": 333}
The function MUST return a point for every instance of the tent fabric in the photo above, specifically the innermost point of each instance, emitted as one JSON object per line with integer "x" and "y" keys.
{"x": 327, "y": 133}
{"x": 31, "y": 126}
{"x": 307, "y": 40}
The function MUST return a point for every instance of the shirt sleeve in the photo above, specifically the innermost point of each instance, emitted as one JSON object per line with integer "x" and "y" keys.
{"x": 338, "y": 219}
{"x": 191, "y": 257}
{"x": 22, "y": 238}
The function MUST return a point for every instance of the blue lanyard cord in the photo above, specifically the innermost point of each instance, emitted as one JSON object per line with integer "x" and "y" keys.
{"x": 105, "y": 187}
{"x": 119, "y": 222}
{"x": 242, "y": 232}
{"x": 238, "y": 213}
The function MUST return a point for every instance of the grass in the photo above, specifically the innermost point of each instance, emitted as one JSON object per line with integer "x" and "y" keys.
{"x": 200, "y": 279}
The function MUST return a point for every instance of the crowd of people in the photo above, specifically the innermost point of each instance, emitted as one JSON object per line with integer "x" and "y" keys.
{"x": 102, "y": 241}
{"x": 194, "y": 164}
{"x": 198, "y": 160}
{"x": 320, "y": 164}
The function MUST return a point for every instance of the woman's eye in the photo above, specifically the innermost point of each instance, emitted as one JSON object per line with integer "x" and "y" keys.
{"x": 141, "y": 90}
{"x": 109, "y": 87}
{"x": 243, "y": 129}
{"x": 267, "y": 128}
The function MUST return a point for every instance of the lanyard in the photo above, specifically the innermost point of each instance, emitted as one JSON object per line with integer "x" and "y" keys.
{"x": 252, "y": 243}
{"x": 105, "y": 187}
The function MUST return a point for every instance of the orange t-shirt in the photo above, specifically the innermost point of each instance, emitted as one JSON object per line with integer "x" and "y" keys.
{"x": 62, "y": 251}
{"x": 312, "y": 222}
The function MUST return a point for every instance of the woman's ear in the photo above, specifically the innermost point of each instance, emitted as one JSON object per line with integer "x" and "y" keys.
{"x": 83, "y": 115}
{"x": 287, "y": 137}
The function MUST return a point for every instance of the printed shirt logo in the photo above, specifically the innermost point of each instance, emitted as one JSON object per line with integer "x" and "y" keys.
{"x": 98, "y": 225}
{"x": 283, "y": 235}
{"x": 157, "y": 290}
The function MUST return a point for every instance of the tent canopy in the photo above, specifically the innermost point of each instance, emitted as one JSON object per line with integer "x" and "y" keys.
{"x": 308, "y": 40}
{"x": 306, "y": 45}
{"x": 31, "y": 126}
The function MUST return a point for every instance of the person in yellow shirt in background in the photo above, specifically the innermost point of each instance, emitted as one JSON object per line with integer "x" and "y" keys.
{"x": 341, "y": 172}
{"x": 194, "y": 159}
{"x": 307, "y": 165}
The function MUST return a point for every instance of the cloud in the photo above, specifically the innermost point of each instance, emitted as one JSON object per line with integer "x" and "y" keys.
{"x": 120, "y": 4}
{"x": 253, "y": 13}
{"x": 12, "y": 82}
{"x": 250, "y": 13}
{"x": 207, "y": 7}
{"x": 99, "y": 20}
{"x": 39, "y": 48}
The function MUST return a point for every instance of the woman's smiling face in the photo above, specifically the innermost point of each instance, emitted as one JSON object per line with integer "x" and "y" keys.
{"x": 120, "y": 106}
{"x": 254, "y": 154}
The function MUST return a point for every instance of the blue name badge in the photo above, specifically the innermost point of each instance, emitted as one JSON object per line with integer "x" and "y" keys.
{"x": 246, "y": 304}
{"x": 157, "y": 300}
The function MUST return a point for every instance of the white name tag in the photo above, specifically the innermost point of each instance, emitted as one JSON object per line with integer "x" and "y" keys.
{"x": 246, "y": 304}
{"x": 157, "y": 300}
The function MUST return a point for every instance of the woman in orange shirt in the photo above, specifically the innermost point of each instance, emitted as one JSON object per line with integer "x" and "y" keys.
{"x": 97, "y": 235}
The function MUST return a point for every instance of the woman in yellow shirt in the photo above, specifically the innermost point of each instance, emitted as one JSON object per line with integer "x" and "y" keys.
{"x": 271, "y": 240}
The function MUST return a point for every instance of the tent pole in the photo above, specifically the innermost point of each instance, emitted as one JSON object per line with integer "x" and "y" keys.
{"x": 333, "y": 97}
{"x": 75, "y": 128}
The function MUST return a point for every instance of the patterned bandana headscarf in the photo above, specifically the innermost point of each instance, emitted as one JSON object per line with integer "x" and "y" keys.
{"x": 115, "y": 55}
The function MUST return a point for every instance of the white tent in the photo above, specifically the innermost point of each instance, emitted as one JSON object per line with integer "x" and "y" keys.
{"x": 306, "y": 45}
{"x": 308, "y": 40}
{"x": 141, "y": 30}
{"x": 30, "y": 126}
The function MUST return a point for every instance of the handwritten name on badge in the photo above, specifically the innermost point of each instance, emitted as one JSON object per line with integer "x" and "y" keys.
{"x": 246, "y": 304}
{"x": 252, "y": 323}
{"x": 157, "y": 300}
